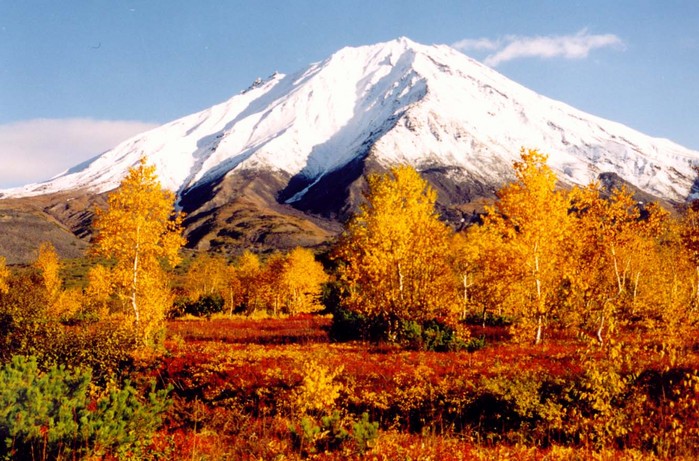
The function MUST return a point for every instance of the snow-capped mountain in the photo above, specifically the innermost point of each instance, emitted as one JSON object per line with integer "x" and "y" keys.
{"x": 304, "y": 139}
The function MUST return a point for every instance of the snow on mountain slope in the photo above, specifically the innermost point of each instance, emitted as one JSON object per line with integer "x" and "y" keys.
{"x": 477, "y": 119}
{"x": 399, "y": 102}
{"x": 176, "y": 149}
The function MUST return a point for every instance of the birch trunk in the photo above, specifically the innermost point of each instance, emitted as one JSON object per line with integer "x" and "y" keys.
{"x": 619, "y": 283}
{"x": 466, "y": 300}
{"x": 134, "y": 283}
{"x": 539, "y": 303}
{"x": 599, "y": 330}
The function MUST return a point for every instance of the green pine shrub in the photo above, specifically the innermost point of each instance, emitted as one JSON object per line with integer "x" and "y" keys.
{"x": 54, "y": 414}
{"x": 365, "y": 432}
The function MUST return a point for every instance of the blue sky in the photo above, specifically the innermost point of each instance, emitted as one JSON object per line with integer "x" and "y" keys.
{"x": 77, "y": 77}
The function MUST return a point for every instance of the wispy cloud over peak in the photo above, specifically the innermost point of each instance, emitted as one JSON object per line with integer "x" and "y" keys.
{"x": 477, "y": 44}
{"x": 576, "y": 46}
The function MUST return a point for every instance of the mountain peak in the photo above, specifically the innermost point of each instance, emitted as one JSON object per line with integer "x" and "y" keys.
{"x": 392, "y": 102}
{"x": 397, "y": 44}
{"x": 402, "y": 43}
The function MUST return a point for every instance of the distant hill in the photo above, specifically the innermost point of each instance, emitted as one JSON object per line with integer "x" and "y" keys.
{"x": 24, "y": 227}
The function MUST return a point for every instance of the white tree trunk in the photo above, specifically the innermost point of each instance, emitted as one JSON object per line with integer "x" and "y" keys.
{"x": 539, "y": 301}
{"x": 134, "y": 282}
{"x": 599, "y": 330}
{"x": 620, "y": 285}
{"x": 466, "y": 298}
{"x": 539, "y": 329}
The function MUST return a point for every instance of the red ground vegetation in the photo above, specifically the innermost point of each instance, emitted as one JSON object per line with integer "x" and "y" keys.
{"x": 241, "y": 389}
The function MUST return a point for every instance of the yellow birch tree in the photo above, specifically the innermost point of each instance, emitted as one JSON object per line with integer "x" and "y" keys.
{"x": 139, "y": 231}
{"x": 531, "y": 220}
{"x": 484, "y": 265}
{"x": 615, "y": 255}
{"x": 49, "y": 265}
{"x": 233, "y": 289}
{"x": 61, "y": 304}
{"x": 271, "y": 292}
{"x": 207, "y": 276}
{"x": 394, "y": 253}
{"x": 689, "y": 232}
{"x": 302, "y": 278}
{"x": 249, "y": 271}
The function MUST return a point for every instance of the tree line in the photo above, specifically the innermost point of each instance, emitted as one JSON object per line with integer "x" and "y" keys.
{"x": 583, "y": 260}
{"x": 544, "y": 258}
{"x": 135, "y": 249}
{"x": 281, "y": 283}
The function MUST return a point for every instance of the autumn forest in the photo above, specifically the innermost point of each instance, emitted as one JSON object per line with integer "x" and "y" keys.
{"x": 561, "y": 324}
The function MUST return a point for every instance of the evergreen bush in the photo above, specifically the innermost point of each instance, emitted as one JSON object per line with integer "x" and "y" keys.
{"x": 52, "y": 414}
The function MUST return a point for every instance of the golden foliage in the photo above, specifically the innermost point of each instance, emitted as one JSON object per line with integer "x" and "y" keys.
{"x": 61, "y": 304}
{"x": 690, "y": 240}
{"x": 395, "y": 252}
{"x": 139, "y": 231}
{"x": 49, "y": 265}
{"x": 270, "y": 291}
{"x": 207, "y": 275}
{"x": 69, "y": 303}
{"x": 301, "y": 280}
{"x": 530, "y": 228}
{"x": 99, "y": 288}
{"x": 290, "y": 283}
{"x": 579, "y": 258}
{"x": 318, "y": 390}
{"x": 4, "y": 275}
{"x": 629, "y": 264}
{"x": 249, "y": 270}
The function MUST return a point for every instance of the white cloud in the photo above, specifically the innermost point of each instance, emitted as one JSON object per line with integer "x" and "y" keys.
{"x": 477, "y": 44}
{"x": 36, "y": 150}
{"x": 577, "y": 46}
